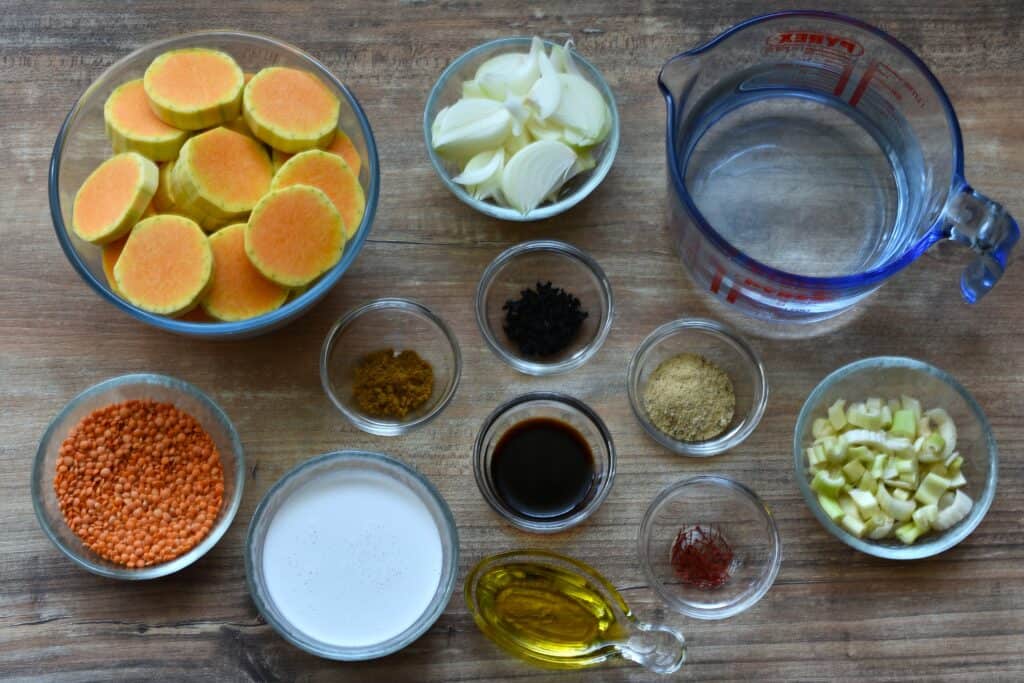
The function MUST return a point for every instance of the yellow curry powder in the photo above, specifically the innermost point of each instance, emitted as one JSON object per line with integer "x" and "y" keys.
{"x": 389, "y": 384}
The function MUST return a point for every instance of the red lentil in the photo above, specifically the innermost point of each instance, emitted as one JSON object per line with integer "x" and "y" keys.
{"x": 139, "y": 482}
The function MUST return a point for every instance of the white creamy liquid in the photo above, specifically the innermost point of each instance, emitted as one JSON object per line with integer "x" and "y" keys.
{"x": 352, "y": 558}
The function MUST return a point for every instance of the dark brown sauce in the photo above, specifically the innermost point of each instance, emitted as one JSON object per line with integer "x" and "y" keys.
{"x": 542, "y": 468}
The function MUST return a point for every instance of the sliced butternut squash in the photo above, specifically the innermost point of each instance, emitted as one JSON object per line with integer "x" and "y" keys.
{"x": 219, "y": 176}
{"x": 294, "y": 235}
{"x": 165, "y": 266}
{"x": 194, "y": 88}
{"x": 111, "y": 252}
{"x": 163, "y": 200}
{"x": 290, "y": 109}
{"x": 113, "y": 197}
{"x": 238, "y": 291}
{"x": 330, "y": 173}
{"x": 133, "y": 127}
{"x": 342, "y": 146}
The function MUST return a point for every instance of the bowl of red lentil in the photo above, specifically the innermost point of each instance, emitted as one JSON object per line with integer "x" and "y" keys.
{"x": 138, "y": 477}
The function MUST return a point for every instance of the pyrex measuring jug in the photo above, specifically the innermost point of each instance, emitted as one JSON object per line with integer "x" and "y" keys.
{"x": 811, "y": 157}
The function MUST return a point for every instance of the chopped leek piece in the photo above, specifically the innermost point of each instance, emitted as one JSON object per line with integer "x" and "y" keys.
{"x": 865, "y": 502}
{"x": 933, "y": 448}
{"x": 853, "y": 470}
{"x": 911, "y": 404}
{"x": 925, "y": 516}
{"x": 946, "y": 428}
{"x": 893, "y": 405}
{"x": 908, "y": 533}
{"x": 849, "y": 507}
{"x": 828, "y": 484}
{"x": 904, "y": 424}
{"x": 931, "y": 489}
{"x": 900, "y": 493}
{"x": 957, "y": 481}
{"x": 900, "y": 510}
{"x": 864, "y": 416}
{"x": 837, "y": 414}
{"x": 815, "y": 455}
{"x": 822, "y": 427}
{"x": 886, "y": 417}
{"x": 853, "y": 525}
{"x": 883, "y": 528}
{"x": 953, "y": 512}
{"x": 868, "y": 483}
{"x": 861, "y": 453}
{"x": 831, "y": 507}
{"x": 878, "y": 466}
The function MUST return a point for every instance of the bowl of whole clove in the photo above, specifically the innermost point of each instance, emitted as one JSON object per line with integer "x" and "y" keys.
{"x": 544, "y": 307}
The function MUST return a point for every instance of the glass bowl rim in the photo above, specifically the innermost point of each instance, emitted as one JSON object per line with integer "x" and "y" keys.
{"x": 727, "y": 440}
{"x": 745, "y": 600}
{"x": 564, "y": 250}
{"x": 182, "y": 561}
{"x": 510, "y": 515}
{"x": 930, "y": 546}
{"x": 290, "y": 309}
{"x": 597, "y": 175}
{"x": 446, "y": 583}
{"x": 369, "y": 424}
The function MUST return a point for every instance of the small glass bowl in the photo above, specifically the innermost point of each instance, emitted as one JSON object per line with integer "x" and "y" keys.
{"x": 398, "y": 324}
{"x": 357, "y": 462}
{"x": 740, "y": 516}
{"x": 724, "y": 348}
{"x": 893, "y": 376}
{"x": 82, "y": 144}
{"x": 551, "y": 405}
{"x": 448, "y": 90}
{"x": 116, "y": 390}
{"x": 565, "y": 266}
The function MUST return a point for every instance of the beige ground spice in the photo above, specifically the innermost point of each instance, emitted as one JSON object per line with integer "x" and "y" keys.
{"x": 689, "y": 398}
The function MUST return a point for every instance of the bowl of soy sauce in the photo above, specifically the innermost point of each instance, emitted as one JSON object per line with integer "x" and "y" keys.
{"x": 544, "y": 461}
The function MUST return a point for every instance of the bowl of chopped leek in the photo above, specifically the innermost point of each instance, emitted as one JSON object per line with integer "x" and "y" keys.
{"x": 895, "y": 458}
{"x": 521, "y": 128}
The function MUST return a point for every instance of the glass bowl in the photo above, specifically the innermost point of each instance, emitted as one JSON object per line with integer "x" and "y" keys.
{"x": 892, "y": 376}
{"x": 398, "y": 324}
{"x": 742, "y": 519}
{"x": 565, "y": 266}
{"x": 126, "y": 388}
{"x": 356, "y": 462}
{"x": 544, "y": 404}
{"x": 82, "y": 144}
{"x": 448, "y": 90}
{"x": 723, "y": 347}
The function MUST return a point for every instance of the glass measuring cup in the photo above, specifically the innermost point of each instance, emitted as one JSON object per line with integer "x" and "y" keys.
{"x": 811, "y": 157}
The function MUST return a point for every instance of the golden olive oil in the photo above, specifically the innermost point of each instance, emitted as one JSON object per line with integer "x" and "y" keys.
{"x": 548, "y": 613}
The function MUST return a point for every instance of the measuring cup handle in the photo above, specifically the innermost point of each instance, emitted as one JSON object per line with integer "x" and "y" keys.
{"x": 983, "y": 225}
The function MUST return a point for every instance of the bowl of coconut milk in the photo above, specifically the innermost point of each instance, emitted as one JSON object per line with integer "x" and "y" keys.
{"x": 352, "y": 555}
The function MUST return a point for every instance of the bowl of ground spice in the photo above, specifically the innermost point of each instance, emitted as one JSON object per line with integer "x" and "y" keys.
{"x": 138, "y": 476}
{"x": 697, "y": 387}
{"x": 390, "y": 366}
{"x": 544, "y": 307}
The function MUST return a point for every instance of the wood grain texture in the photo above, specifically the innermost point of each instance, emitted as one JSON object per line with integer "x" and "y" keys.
{"x": 833, "y": 613}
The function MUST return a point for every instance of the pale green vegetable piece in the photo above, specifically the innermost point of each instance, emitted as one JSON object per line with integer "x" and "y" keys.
{"x": 831, "y": 507}
{"x": 953, "y": 512}
{"x": 481, "y": 168}
{"x": 853, "y": 470}
{"x": 862, "y": 454}
{"x": 899, "y": 494}
{"x": 822, "y": 427}
{"x": 815, "y": 455}
{"x": 932, "y": 448}
{"x": 909, "y": 533}
{"x": 957, "y": 480}
{"x": 945, "y": 426}
{"x": 883, "y": 528}
{"x": 878, "y": 466}
{"x": 866, "y": 503}
{"x": 472, "y": 89}
{"x": 864, "y": 416}
{"x": 925, "y": 516}
{"x": 904, "y": 424}
{"x": 931, "y": 489}
{"x": 848, "y": 506}
{"x": 900, "y": 510}
{"x": 828, "y": 484}
{"x": 853, "y": 525}
{"x": 911, "y": 404}
{"x": 868, "y": 482}
{"x": 837, "y": 414}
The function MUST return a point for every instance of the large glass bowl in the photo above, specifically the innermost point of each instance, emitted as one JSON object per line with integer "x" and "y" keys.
{"x": 889, "y": 376}
{"x": 448, "y": 90}
{"x": 354, "y": 462}
{"x": 83, "y": 144}
{"x": 116, "y": 390}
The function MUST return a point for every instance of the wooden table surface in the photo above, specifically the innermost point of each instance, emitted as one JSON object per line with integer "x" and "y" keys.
{"x": 833, "y": 613}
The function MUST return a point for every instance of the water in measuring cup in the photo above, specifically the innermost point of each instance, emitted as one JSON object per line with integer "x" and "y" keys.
{"x": 802, "y": 182}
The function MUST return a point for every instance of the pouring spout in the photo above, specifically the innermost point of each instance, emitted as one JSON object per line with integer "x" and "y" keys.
{"x": 678, "y": 75}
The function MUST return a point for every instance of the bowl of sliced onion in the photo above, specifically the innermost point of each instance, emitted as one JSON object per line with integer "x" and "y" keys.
{"x": 522, "y": 128}
{"x": 895, "y": 458}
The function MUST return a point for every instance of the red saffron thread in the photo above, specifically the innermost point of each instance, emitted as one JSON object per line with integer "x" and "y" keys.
{"x": 702, "y": 557}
